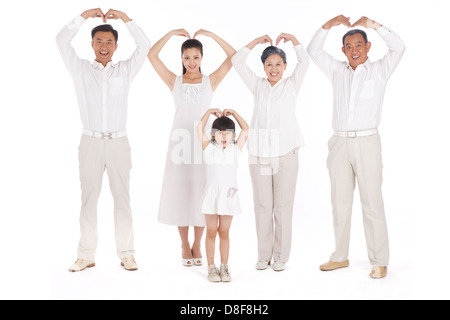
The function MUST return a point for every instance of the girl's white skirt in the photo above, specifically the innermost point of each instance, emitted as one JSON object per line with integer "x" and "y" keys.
{"x": 222, "y": 201}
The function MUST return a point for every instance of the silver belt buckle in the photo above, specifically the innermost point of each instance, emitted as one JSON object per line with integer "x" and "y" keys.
{"x": 106, "y": 136}
{"x": 351, "y": 134}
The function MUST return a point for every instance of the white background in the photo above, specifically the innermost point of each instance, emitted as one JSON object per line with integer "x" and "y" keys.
{"x": 40, "y": 130}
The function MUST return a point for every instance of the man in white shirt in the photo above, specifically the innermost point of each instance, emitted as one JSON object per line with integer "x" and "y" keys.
{"x": 102, "y": 90}
{"x": 355, "y": 148}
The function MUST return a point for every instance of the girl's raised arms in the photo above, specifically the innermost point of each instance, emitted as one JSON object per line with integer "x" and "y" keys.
{"x": 242, "y": 139}
{"x": 202, "y": 124}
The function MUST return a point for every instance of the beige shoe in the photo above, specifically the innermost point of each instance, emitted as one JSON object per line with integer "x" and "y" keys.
{"x": 225, "y": 273}
{"x": 213, "y": 274}
{"x": 378, "y": 272}
{"x": 262, "y": 265}
{"x": 129, "y": 264}
{"x": 279, "y": 266}
{"x": 81, "y": 265}
{"x": 331, "y": 265}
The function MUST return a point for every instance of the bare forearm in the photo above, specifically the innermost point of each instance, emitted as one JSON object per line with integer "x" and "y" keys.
{"x": 252, "y": 44}
{"x": 157, "y": 47}
{"x": 229, "y": 50}
{"x": 204, "y": 121}
{"x": 242, "y": 123}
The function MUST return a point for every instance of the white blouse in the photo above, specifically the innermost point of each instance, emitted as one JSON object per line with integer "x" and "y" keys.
{"x": 274, "y": 128}
{"x": 221, "y": 165}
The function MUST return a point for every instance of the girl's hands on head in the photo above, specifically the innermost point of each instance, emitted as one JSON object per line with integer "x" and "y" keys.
{"x": 228, "y": 112}
{"x": 217, "y": 112}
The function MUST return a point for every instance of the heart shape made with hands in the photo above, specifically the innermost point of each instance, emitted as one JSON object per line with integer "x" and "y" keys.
{"x": 111, "y": 14}
{"x": 284, "y": 36}
{"x": 219, "y": 113}
{"x": 362, "y": 22}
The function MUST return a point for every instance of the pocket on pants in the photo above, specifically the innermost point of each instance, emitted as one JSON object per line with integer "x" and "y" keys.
{"x": 85, "y": 142}
{"x": 332, "y": 143}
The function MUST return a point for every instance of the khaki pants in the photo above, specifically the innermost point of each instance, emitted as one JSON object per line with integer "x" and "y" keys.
{"x": 361, "y": 158}
{"x": 96, "y": 155}
{"x": 274, "y": 183}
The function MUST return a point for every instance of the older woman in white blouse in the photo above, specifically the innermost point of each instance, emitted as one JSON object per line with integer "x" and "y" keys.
{"x": 274, "y": 140}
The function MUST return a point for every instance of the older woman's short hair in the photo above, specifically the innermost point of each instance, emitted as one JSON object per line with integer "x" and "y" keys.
{"x": 271, "y": 51}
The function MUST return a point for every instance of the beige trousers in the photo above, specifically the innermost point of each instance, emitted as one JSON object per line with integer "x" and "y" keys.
{"x": 361, "y": 158}
{"x": 96, "y": 155}
{"x": 274, "y": 183}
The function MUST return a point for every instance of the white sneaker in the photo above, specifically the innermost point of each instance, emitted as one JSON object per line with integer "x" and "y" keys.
{"x": 129, "y": 264}
{"x": 225, "y": 273}
{"x": 262, "y": 265}
{"x": 279, "y": 266}
{"x": 213, "y": 273}
{"x": 81, "y": 265}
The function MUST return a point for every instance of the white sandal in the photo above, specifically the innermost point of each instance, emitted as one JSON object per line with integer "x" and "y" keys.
{"x": 198, "y": 261}
{"x": 188, "y": 262}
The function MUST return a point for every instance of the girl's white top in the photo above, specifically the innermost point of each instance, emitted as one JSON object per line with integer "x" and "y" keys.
{"x": 274, "y": 129}
{"x": 221, "y": 194}
{"x": 185, "y": 176}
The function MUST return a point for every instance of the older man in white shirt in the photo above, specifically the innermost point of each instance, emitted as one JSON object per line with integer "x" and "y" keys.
{"x": 355, "y": 148}
{"x": 102, "y": 90}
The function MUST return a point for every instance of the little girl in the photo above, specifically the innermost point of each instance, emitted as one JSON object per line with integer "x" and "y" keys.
{"x": 220, "y": 198}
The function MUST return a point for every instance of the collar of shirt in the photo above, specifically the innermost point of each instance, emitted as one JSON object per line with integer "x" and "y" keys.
{"x": 99, "y": 66}
{"x": 220, "y": 148}
{"x": 365, "y": 64}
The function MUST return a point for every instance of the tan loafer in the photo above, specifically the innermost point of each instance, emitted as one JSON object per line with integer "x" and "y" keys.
{"x": 129, "y": 264}
{"x": 378, "y": 272}
{"x": 331, "y": 265}
{"x": 81, "y": 265}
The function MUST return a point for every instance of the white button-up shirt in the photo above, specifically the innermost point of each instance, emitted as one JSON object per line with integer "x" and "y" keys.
{"x": 274, "y": 128}
{"x": 102, "y": 91}
{"x": 358, "y": 94}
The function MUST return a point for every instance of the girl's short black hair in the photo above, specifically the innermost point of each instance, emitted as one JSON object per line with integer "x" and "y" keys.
{"x": 105, "y": 28}
{"x": 223, "y": 124}
{"x": 271, "y": 51}
{"x": 191, "y": 43}
{"x": 352, "y": 33}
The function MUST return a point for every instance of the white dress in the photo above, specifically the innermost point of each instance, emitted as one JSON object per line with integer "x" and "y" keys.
{"x": 185, "y": 176}
{"x": 221, "y": 194}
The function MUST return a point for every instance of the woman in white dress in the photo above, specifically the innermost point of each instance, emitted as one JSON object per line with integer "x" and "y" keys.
{"x": 185, "y": 176}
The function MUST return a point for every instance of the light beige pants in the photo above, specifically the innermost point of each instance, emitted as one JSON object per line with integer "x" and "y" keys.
{"x": 361, "y": 158}
{"x": 274, "y": 183}
{"x": 96, "y": 155}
